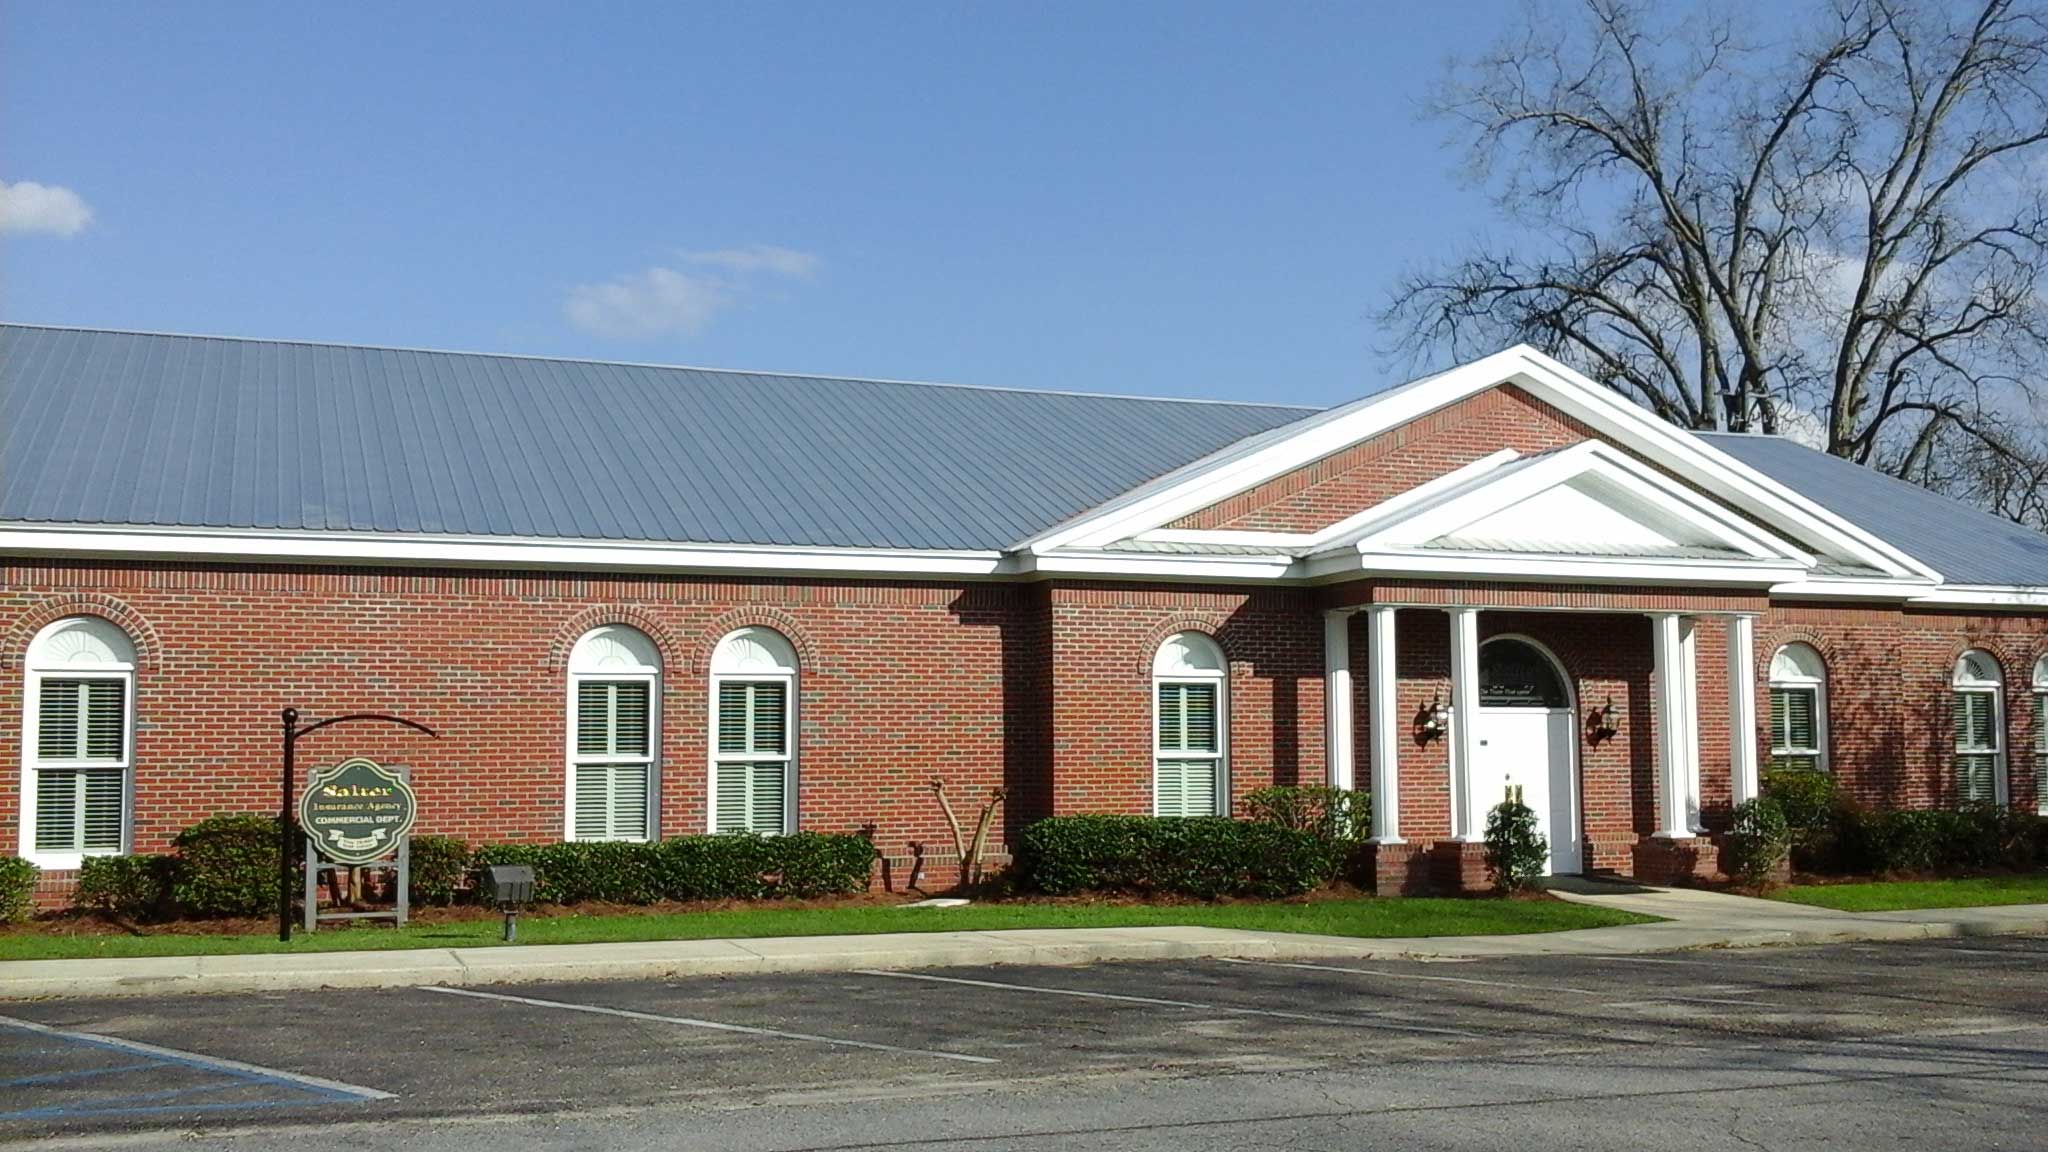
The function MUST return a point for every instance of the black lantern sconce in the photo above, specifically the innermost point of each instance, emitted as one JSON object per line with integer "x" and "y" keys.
{"x": 1600, "y": 723}
{"x": 1433, "y": 722}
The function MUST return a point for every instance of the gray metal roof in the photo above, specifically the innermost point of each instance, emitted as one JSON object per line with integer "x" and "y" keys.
{"x": 1965, "y": 544}
{"x": 100, "y": 427}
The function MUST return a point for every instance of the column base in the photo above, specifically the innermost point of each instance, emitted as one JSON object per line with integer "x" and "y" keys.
{"x": 1676, "y": 860}
{"x": 1459, "y": 866}
{"x": 1393, "y": 868}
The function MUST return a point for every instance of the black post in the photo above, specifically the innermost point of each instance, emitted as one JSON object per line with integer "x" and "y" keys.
{"x": 284, "y": 831}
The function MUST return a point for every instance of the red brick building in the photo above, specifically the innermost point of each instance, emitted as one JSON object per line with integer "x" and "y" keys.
{"x": 641, "y": 601}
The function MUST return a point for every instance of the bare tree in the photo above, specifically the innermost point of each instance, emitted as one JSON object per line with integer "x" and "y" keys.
{"x": 1841, "y": 237}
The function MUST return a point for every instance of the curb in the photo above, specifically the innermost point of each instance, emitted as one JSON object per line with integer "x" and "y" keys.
{"x": 206, "y": 975}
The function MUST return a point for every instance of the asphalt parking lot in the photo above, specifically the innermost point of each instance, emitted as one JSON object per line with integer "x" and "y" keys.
{"x": 1928, "y": 1045}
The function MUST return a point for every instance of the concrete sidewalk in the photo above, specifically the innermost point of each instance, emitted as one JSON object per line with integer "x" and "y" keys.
{"x": 1692, "y": 919}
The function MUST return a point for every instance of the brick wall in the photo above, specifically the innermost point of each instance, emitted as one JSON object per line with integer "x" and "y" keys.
{"x": 1355, "y": 478}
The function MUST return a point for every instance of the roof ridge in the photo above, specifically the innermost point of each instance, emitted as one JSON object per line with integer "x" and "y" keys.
{"x": 1302, "y": 408}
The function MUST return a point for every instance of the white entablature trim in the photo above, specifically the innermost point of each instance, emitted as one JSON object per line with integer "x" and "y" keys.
{"x": 1270, "y": 455}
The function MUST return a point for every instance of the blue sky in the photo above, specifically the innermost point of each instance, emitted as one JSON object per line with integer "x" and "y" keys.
{"x": 1175, "y": 199}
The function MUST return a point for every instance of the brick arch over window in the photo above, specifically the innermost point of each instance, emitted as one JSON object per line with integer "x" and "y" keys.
{"x": 1214, "y": 625}
{"x": 148, "y": 646}
{"x": 760, "y": 616}
{"x": 1767, "y": 646}
{"x": 673, "y": 655}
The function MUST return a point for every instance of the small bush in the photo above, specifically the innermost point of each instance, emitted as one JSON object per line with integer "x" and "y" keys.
{"x": 1333, "y": 813}
{"x": 1884, "y": 842}
{"x": 130, "y": 887}
{"x": 1806, "y": 797}
{"x": 17, "y": 889}
{"x": 227, "y": 866}
{"x": 1205, "y": 857}
{"x": 1758, "y": 839}
{"x": 811, "y": 864}
{"x": 439, "y": 865}
{"x": 1515, "y": 851}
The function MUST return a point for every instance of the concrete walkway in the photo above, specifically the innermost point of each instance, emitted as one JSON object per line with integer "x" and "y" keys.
{"x": 1692, "y": 919}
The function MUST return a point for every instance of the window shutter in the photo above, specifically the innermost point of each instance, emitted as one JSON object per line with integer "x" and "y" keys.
{"x": 57, "y": 811}
{"x": 770, "y": 712}
{"x": 57, "y": 720}
{"x": 629, "y": 801}
{"x": 1185, "y": 788}
{"x": 732, "y": 795}
{"x": 100, "y": 830}
{"x": 1198, "y": 717}
{"x": 593, "y": 718}
{"x": 1976, "y": 746}
{"x": 105, "y": 719}
{"x": 593, "y": 801}
{"x": 732, "y": 716}
{"x": 629, "y": 719}
{"x": 2040, "y": 739}
{"x": 766, "y": 814}
{"x": 1800, "y": 730}
{"x": 1169, "y": 717}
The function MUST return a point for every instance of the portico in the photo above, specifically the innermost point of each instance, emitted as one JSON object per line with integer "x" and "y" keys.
{"x": 1463, "y": 722}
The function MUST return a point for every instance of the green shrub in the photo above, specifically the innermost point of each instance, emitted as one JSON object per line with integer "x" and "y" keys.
{"x": 1758, "y": 840}
{"x": 227, "y": 866}
{"x": 1334, "y": 813}
{"x": 810, "y": 864}
{"x": 17, "y": 889}
{"x": 1515, "y": 851}
{"x": 739, "y": 866}
{"x": 130, "y": 887}
{"x": 1906, "y": 841}
{"x": 1806, "y": 797}
{"x": 1205, "y": 856}
{"x": 438, "y": 866}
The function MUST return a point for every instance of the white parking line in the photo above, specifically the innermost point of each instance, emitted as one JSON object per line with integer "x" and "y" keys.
{"x": 1731, "y": 965}
{"x": 195, "y": 1060}
{"x": 1341, "y": 1021}
{"x": 713, "y": 1025}
{"x": 1374, "y": 972}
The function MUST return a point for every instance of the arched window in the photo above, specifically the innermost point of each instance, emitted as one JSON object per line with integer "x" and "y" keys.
{"x": 614, "y": 735}
{"x": 78, "y": 726}
{"x": 1191, "y": 710}
{"x": 1799, "y": 709}
{"x": 1977, "y": 705}
{"x": 1513, "y": 673}
{"x": 2041, "y": 734}
{"x": 753, "y": 733}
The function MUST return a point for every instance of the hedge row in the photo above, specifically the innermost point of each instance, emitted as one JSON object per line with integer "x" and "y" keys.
{"x": 1204, "y": 856}
{"x": 1828, "y": 833}
{"x": 17, "y": 889}
{"x": 732, "y": 866}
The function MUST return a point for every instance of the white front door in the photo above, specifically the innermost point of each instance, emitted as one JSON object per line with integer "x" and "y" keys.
{"x": 1531, "y": 749}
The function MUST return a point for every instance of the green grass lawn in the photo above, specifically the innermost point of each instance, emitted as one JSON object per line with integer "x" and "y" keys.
{"x": 1892, "y": 896}
{"x": 1400, "y": 917}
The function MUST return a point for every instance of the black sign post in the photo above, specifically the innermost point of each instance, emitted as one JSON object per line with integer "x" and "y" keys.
{"x": 287, "y": 843}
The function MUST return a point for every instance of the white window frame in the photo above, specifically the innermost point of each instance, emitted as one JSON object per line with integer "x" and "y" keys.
{"x": 1960, "y": 684}
{"x": 2040, "y": 687}
{"x": 1166, "y": 672}
{"x": 46, "y": 660}
{"x": 615, "y": 667}
{"x": 1792, "y": 677}
{"x": 727, "y": 665}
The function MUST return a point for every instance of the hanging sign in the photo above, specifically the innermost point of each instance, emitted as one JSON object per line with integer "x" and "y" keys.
{"x": 357, "y": 811}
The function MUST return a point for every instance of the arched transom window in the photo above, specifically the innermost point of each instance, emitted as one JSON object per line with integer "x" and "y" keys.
{"x": 1799, "y": 709}
{"x": 614, "y": 735}
{"x": 1977, "y": 707}
{"x": 1513, "y": 673}
{"x": 78, "y": 727}
{"x": 753, "y": 733}
{"x": 1191, "y": 709}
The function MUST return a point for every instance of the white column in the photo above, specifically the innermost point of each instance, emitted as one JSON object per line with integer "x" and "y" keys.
{"x": 1382, "y": 686}
{"x": 1742, "y": 780}
{"x": 1337, "y": 728}
{"x": 1677, "y": 738}
{"x": 1468, "y": 822}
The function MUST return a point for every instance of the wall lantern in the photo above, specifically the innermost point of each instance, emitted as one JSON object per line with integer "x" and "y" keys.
{"x": 1600, "y": 723}
{"x": 1433, "y": 722}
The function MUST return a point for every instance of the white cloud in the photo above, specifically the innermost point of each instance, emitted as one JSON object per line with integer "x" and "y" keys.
{"x": 657, "y": 302}
{"x": 665, "y": 301}
{"x": 759, "y": 258}
{"x": 26, "y": 206}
